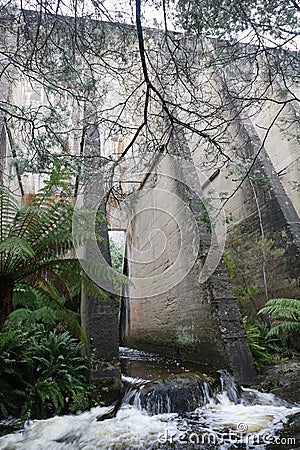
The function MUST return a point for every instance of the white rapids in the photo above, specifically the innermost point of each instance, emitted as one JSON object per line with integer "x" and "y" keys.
{"x": 228, "y": 418}
{"x": 130, "y": 429}
{"x": 221, "y": 424}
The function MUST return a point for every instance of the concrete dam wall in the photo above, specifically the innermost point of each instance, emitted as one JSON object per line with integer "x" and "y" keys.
{"x": 169, "y": 309}
{"x": 181, "y": 302}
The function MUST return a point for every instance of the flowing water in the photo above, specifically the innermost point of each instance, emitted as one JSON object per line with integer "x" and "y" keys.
{"x": 227, "y": 417}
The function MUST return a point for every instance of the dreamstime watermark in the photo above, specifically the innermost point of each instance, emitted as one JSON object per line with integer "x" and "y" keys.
{"x": 159, "y": 211}
{"x": 237, "y": 437}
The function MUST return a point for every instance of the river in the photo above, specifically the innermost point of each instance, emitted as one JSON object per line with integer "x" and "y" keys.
{"x": 225, "y": 417}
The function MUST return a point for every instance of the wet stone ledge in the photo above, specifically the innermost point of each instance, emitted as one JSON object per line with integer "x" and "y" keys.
{"x": 179, "y": 394}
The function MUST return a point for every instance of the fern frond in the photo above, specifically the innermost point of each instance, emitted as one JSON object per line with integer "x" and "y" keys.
{"x": 84, "y": 223}
{"x": 26, "y": 222}
{"x": 71, "y": 271}
{"x": 282, "y": 308}
{"x": 61, "y": 312}
{"x": 8, "y": 211}
{"x": 284, "y": 329}
{"x": 16, "y": 246}
{"x": 26, "y": 296}
{"x": 50, "y": 311}
{"x": 286, "y": 314}
{"x": 17, "y": 317}
{"x": 91, "y": 289}
{"x": 99, "y": 271}
{"x": 57, "y": 216}
{"x": 68, "y": 317}
{"x": 53, "y": 278}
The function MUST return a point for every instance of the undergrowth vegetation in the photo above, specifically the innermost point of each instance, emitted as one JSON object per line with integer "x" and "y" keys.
{"x": 273, "y": 329}
{"x": 42, "y": 372}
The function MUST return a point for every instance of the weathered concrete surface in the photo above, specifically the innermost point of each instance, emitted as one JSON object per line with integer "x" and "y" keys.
{"x": 260, "y": 181}
{"x": 103, "y": 340}
{"x": 99, "y": 319}
{"x": 263, "y": 203}
{"x": 271, "y": 215}
{"x": 186, "y": 318}
{"x": 282, "y": 145}
{"x": 189, "y": 319}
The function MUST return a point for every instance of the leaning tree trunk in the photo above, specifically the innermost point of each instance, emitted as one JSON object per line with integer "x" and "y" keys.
{"x": 6, "y": 294}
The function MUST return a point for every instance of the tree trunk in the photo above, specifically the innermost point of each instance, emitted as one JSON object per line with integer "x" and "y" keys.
{"x": 6, "y": 294}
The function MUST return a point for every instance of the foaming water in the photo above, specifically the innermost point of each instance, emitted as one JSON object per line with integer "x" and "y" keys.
{"x": 219, "y": 424}
{"x": 228, "y": 417}
{"x": 130, "y": 429}
{"x": 247, "y": 414}
{"x": 222, "y": 413}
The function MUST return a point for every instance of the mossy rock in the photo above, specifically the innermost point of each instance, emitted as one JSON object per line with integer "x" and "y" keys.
{"x": 105, "y": 391}
{"x": 10, "y": 426}
{"x": 283, "y": 380}
{"x": 180, "y": 394}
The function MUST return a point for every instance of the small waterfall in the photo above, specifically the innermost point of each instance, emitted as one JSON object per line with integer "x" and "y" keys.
{"x": 229, "y": 386}
{"x": 184, "y": 394}
{"x": 184, "y": 412}
{"x": 180, "y": 394}
{"x": 129, "y": 396}
{"x": 175, "y": 395}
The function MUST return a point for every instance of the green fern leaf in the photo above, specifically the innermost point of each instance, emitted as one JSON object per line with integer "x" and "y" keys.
{"x": 16, "y": 246}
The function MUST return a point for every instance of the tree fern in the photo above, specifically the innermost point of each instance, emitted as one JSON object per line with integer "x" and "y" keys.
{"x": 285, "y": 313}
{"x": 35, "y": 246}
